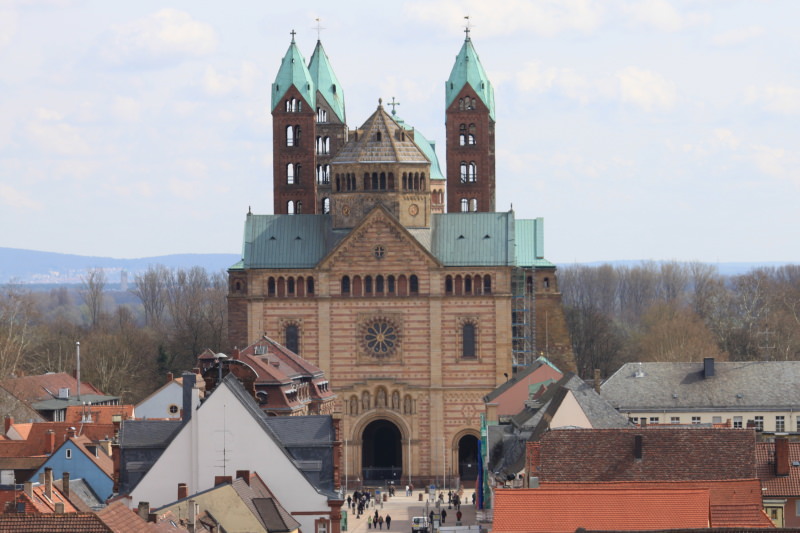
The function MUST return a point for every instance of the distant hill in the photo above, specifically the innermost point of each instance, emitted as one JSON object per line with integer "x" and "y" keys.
{"x": 32, "y": 267}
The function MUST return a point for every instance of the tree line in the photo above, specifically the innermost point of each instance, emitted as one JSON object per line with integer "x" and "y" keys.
{"x": 679, "y": 312}
{"x": 128, "y": 340}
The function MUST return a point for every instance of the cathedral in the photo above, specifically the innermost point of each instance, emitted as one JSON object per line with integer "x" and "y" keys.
{"x": 401, "y": 282}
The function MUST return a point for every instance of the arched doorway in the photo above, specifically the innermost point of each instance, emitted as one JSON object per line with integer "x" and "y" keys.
{"x": 381, "y": 453}
{"x": 468, "y": 458}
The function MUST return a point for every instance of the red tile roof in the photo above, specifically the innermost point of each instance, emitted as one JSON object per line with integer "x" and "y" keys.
{"x": 553, "y": 511}
{"x": 667, "y": 454}
{"x": 733, "y": 503}
{"x": 121, "y": 519}
{"x": 53, "y": 523}
{"x": 31, "y": 389}
{"x": 101, "y": 414}
{"x": 37, "y": 438}
{"x": 778, "y": 486}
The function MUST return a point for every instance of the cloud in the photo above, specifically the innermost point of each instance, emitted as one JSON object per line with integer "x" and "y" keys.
{"x": 8, "y": 26}
{"x": 661, "y": 15}
{"x": 737, "y": 36}
{"x": 53, "y": 135}
{"x": 126, "y": 109}
{"x": 545, "y": 17}
{"x": 17, "y": 199}
{"x": 167, "y": 37}
{"x": 566, "y": 81}
{"x": 782, "y": 99}
{"x": 218, "y": 84}
{"x": 774, "y": 162}
{"x": 646, "y": 89}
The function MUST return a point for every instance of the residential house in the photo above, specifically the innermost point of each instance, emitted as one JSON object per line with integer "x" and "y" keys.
{"x": 778, "y": 465}
{"x": 166, "y": 401}
{"x": 509, "y": 398}
{"x": 243, "y": 504}
{"x": 81, "y": 458}
{"x": 140, "y": 444}
{"x": 36, "y": 497}
{"x": 759, "y": 394}
{"x": 49, "y": 395}
{"x": 120, "y": 519}
{"x": 282, "y": 382}
{"x": 229, "y": 432}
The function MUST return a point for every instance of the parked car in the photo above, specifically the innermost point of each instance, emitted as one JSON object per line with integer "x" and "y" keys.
{"x": 419, "y": 524}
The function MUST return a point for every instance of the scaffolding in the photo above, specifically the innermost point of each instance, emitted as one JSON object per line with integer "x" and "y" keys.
{"x": 523, "y": 317}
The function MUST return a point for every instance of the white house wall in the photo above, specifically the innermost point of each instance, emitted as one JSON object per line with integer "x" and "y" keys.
{"x": 221, "y": 438}
{"x": 157, "y": 404}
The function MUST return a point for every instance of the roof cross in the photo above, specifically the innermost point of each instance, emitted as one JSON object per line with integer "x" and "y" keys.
{"x": 466, "y": 29}
{"x": 393, "y": 104}
{"x": 293, "y": 34}
{"x": 319, "y": 28}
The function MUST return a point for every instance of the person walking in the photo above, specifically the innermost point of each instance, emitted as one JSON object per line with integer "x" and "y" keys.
{"x": 458, "y": 516}
{"x": 369, "y": 521}
{"x": 388, "y": 521}
{"x": 444, "y": 515}
{"x": 380, "y": 522}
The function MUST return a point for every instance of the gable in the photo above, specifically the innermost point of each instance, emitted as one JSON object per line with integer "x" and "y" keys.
{"x": 379, "y": 228}
{"x": 570, "y": 413}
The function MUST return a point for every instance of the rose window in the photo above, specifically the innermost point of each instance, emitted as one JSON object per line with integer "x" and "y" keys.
{"x": 380, "y": 338}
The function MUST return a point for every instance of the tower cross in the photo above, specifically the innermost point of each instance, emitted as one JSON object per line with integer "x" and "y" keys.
{"x": 467, "y": 28}
{"x": 319, "y": 28}
{"x": 393, "y": 104}
{"x": 293, "y": 34}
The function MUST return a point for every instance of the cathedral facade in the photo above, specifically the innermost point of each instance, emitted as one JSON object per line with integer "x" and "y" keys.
{"x": 401, "y": 282}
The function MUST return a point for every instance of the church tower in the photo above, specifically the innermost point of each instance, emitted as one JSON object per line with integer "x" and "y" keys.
{"x": 469, "y": 125}
{"x": 331, "y": 124}
{"x": 294, "y": 99}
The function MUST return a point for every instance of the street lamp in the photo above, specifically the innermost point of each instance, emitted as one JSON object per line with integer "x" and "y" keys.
{"x": 220, "y": 357}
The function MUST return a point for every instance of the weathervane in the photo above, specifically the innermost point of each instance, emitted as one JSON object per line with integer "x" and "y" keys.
{"x": 319, "y": 28}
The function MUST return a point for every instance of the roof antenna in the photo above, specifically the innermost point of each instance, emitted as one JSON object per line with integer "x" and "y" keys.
{"x": 319, "y": 28}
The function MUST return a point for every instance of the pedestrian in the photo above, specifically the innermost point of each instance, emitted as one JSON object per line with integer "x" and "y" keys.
{"x": 473, "y": 498}
{"x": 376, "y": 516}
{"x": 388, "y": 521}
{"x": 408, "y": 490}
{"x": 444, "y": 515}
{"x": 458, "y": 516}
{"x": 449, "y": 497}
{"x": 369, "y": 521}
{"x": 380, "y": 522}
{"x": 431, "y": 517}
{"x": 349, "y": 501}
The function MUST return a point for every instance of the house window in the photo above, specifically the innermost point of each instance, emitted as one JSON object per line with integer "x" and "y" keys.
{"x": 173, "y": 409}
{"x": 780, "y": 424}
{"x": 468, "y": 341}
{"x": 695, "y": 420}
{"x": 674, "y": 420}
{"x": 413, "y": 284}
{"x": 798, "y": 430}
{"x": 716, "y": 420}
{"x": 346, "y": 285}
{"x": 464, "y": 205}
{"x": 635, "y": 419}
{"x": 321, "y": 526}
{"x": 68, "y": 453}
{"x": 292, "y": 337}
{"x": 390, "y": 282}
{"x": 654, "y": 420}
{"x": 759, "y": 420}
{"x": 737, "y": 422}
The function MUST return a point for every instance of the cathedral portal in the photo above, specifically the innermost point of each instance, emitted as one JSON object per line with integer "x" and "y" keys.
{"x": 468, "y": 458}
{"x": 381, "y": 452}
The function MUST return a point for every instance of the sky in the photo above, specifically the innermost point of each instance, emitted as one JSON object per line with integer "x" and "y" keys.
{"x": 639, "y": 130}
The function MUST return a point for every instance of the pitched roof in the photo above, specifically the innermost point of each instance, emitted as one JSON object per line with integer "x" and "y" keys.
{"x": 523, "y": 373}
{"x": 32, "y": 389}
{"x": 611, "y": 509}
{"x": 53, "y": 523}
{"x": 468, "y": 69}
{"x": 121, "y": 519}
{"x": 103, "y": 461}
{"x": 732, "y": 503}
{"x": 80, "y": 495}
{"x": 265, "y": 507}
{"x": 736, "y": 386}
{"x": 667, "y": 454}
{"x": 36, "y": 436}
{"x": 774, "y": 485}
{"x": 428, "y": 148}
{"x": 293, "y": 72}
{"x": 380, "y": 140}
{"x": 326, "y": 82}
{"x": 101, "y": 414}
{"x": 147, "y": 433}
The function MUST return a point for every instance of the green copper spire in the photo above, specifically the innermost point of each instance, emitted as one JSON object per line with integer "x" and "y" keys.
{"x": 326, "y": 81}
{"x": 293, "y": 71}
{"x": 468, "y": 69}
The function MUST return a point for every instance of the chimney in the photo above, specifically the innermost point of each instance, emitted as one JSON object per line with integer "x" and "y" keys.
{"x": 183, "y": 491}
{"x": 235, "y": 354}
{"x": 170, "y": 376}
{"x": 188, "y": 385}
{"x": 28, "y": 489}
{"x": 153, "y": 518}
{"x": 597, "y": 380}
{"x": 59, "y": 507}
{"x": 105, "y": 445}
{"x": 70, "y": 432}
{"x": 708, "y": 367}
{"x": 8, "y": 424}
{"x": 194, "y": 510}
{"x": 781, "y": 456}
{"x": 219, "y": 480}
{"x": 144, "y": 510}
{"x": 48, "y": 483}
{"x": 51, "y": 441}
{"x": 243, "y": 474}
{"x": 65, "y": 484}
{"x": 637, "y": 447}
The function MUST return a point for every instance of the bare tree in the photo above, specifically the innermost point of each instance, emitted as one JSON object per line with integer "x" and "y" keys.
{"x": 17, "y": 313}
{"x": 93, "y": 286}
{"x": 151, "y": 289}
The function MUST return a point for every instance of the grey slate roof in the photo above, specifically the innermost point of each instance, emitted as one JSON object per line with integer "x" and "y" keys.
{"x": 455, "y": 239}
{"x": 147, "y": 433}
{"x": 274, "y": 516}
{"x": 734, "y": 386}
